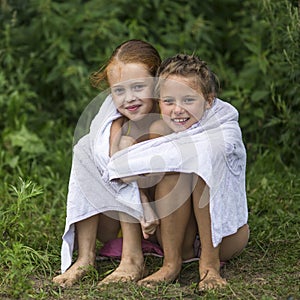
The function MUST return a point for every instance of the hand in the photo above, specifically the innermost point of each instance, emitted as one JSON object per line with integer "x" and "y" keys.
{"x": 150, "y": 221}
{"x": 126, "y": 141}
{"x": 148, "y": 180}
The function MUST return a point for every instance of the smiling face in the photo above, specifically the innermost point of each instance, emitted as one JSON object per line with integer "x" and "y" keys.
{"x": 181, "y": 105}
{"x": 132, "y": 89}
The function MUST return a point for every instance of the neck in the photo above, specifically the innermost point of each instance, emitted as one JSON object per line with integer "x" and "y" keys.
{"x": 144, "y": 123}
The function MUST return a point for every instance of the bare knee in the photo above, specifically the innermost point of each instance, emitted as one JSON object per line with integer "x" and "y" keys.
{"x": 172, "y": 192}
{"x": 234, "y": 244}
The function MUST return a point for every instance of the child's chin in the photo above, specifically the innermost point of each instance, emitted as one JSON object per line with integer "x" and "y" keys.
{"x": 136, "y": 117}
{"x": 178, "y": 128}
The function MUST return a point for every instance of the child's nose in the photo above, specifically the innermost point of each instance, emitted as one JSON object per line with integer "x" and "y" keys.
{"x": 178, "y": 109}
{"x": 129, "y": 96}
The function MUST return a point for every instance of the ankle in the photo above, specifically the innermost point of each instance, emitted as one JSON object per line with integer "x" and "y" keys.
{"x": 209, "y": 265}
{"x": 87, "y": 258}
{"x": 174, "y": 264}
{"x": 135, "y": 259}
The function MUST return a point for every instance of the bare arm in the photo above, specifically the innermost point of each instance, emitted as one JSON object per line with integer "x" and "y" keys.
{"x": 117, "y": 142}
{"x": 157, "y": 129}
{"x": 150, "y": 220}
{"x": 115, "y": 136}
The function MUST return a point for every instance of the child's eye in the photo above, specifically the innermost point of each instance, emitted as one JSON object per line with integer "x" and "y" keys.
{"x": 118, "y": 90}
{"x": 138, "y": 87}
{"x": 189, "y": 100}
{"x": 168, "y": 101}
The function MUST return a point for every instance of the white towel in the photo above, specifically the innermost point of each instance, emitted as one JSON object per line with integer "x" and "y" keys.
{"x": 213, "y": 149}
{"x": 90, "y": 191}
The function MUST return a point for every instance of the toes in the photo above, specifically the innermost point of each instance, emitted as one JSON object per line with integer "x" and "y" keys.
{"x": 68, "y": 283}
{"x": 64, "y": 282}
{"x": 211, "y": 280}
{"x": 58, "y": 280}
{"x": 148, "y": 284}
{"x": 211, "y": 284}
{"x": 120, "y": 276}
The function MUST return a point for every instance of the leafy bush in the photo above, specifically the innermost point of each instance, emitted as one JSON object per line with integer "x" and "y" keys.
{"x": 49, "y": 48}
{"x": 265, "y": 85}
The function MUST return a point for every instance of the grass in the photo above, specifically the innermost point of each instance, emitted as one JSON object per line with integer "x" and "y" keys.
{"x": 32, "y": 215}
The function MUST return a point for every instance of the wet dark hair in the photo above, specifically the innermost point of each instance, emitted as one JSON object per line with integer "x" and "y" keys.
{"x": 190, "y": 66}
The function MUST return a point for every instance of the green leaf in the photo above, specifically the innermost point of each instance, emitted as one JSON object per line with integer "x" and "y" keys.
{"x": 259, "y": 113}
{"x": 259, "y": 95}
{"x": 28, "y": 141}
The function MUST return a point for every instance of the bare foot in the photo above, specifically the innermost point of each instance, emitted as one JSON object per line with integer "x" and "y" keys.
{"x": 164, "y": 274}
{"x": 210, "y": 278}
{"x": 129, "y": 270}
{"x": 73, "y": 274}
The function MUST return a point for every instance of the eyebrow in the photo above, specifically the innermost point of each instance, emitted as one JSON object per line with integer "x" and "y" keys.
{"x": 130, "y": 83}
{"x": 138, "y": 81}
{"x": 185, "y": 96}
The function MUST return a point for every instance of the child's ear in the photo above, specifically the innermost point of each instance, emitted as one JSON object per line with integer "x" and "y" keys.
{"x": 209, "y": 101}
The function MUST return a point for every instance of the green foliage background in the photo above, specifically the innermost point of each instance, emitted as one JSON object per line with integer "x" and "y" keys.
{"x": 48, "y": 49}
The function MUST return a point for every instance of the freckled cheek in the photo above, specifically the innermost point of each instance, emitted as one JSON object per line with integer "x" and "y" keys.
{"x": 166, "y": 119}
{"x": 117, "y": 101}
{"x": 163, "y": 109}
{"x": 146, "y": 94}
{"x": 166, "y": 115}
{"x": 148, "y": 106}
{"x": 198, "y": 115}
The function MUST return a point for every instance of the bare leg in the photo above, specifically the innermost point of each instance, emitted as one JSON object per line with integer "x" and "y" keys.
{"x": 132, "y": 261}
{"x": 174, "y": 209}
{"x": 189, "y": 239}
{"x": 209, "y": 265}
{"x": 86, "y": 231}
{"x": 234, "y": 244}
{"x": 108, "y": 228}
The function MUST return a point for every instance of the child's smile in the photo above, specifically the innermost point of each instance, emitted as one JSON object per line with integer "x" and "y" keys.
{"x": 133, "y": 108}
{"x": 181, "y": 121}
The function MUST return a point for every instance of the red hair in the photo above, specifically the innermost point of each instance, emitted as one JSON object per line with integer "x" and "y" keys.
{"x": 132, "y": 51}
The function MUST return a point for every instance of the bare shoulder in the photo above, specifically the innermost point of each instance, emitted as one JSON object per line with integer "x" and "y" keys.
{"x": 118, "y": 122}
{"x": 159, "y": 128}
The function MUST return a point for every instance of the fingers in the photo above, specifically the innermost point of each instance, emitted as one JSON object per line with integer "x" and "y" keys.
{"x": 148, "y": 228}
{"x": 145, "y": 235}
{"x": 150, "y": 221}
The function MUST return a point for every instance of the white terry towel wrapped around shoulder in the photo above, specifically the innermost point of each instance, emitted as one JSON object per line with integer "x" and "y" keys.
{"x": 90, "y": 191}
{"x": 213, "y": 149}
